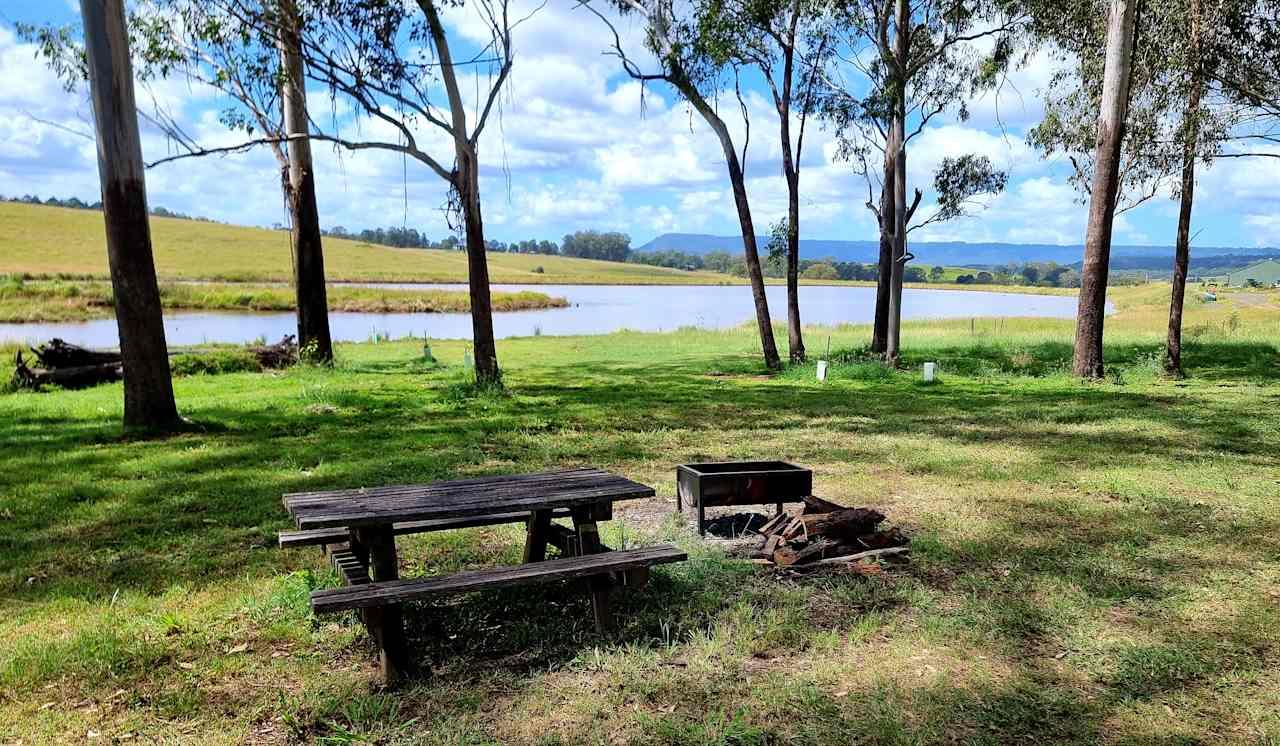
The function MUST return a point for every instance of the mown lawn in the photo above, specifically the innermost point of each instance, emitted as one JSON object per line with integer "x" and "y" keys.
{"x": 1091, "y": 562}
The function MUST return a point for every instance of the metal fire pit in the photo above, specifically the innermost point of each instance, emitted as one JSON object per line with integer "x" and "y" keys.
{"x": 740, "y": 483}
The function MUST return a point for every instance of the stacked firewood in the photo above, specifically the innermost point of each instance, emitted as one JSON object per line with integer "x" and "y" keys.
{"x": 824, "y": 534}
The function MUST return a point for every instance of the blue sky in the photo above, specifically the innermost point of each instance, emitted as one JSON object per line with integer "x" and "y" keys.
{"x": 576, "y": 148}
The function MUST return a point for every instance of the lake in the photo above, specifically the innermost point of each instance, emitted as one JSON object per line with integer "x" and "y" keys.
{"x": 594, "y": 309}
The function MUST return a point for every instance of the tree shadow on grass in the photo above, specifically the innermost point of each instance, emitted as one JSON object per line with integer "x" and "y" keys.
{"x": 89, "y": 514}
{"x": 96, "y": 514}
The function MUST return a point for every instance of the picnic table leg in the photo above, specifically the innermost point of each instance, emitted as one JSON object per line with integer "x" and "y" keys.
{"x": 386, "y": 623}
{"x": 535, "y": 541}
{"x": 584, "y": 523}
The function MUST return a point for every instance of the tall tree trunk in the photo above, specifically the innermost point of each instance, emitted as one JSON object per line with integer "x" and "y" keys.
{"x": 148, "y": 387}
{"x": 898, "y": 139}
{"x": 795, "y": 339}
{"x": 466, "y": 181}
{"x": 1182, "y": 249}
{"x": 1090, "y": 316}
{"x": 884, "y": 270}
{"x": 791, "y": 172}
{"x": 749, "y": 247}
{"x": 308, "y": 251}
{"x": 486, "y": 350}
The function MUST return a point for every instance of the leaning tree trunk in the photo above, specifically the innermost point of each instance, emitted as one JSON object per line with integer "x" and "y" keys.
{"x": 898, "y": 146}
{"x": 308, "y": 251}
{"x": 1182, "y": 249}
{"x": 486, "y": 350}
{"x": 749, "y": 247}
{"x": 466, "y": 183}
{"x": 1121, "y": 26}
{"x": 884, "y": 269}
{"x": 148, "y": 387}
{"x": 751, "y": 252}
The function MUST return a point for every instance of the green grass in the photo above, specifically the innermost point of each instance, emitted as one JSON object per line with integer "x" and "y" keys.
{"x": 79, "y": 300}
{"x": 53, "y": 241}
{"x": 1091, "y": 562}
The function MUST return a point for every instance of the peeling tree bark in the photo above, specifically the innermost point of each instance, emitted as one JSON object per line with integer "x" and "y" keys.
{"x": 1091, "y": 314}
{"x": 300, "y": 192}
{"x": 897, "y": 146}
{"x": 148, "y": 387}
{"x": 884, "y": 270}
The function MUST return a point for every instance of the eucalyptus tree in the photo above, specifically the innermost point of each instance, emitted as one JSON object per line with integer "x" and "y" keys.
{"x": 910, "y": 62}
{"x": 148, "y": 383}
{"x": 687, "y": 62}
{"x": 392, "y": 61}
{"x": 1182, "y": 108}
{"x": 787, "y": 43}
{"x": 259, "y": 75}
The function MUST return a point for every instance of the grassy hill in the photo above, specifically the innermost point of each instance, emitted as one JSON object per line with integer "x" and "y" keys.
{"x": 42, "y": 241}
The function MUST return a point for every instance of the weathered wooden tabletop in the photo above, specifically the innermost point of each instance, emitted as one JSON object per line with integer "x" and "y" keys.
{"x": 378, "y": 506}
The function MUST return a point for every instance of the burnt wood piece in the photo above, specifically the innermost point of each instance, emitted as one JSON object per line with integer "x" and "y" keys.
{"x": 786, "y": 555}
{"x": 838, "y": 524}
{"x": 323, "y": 536}
{"x": 459, "y": 498}
{"x": 815, "y": 504}
{"x": 773, "y": 524}
{"x": 380, "y": 593}
{"x": 723, "y": 483}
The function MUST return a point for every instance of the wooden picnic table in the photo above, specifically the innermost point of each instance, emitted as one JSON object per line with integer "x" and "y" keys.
{"x": 360, "y": 525}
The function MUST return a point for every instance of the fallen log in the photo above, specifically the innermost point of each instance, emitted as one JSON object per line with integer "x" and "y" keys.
{"x": 59, "y": 354}
{"x": 75, "y": 377}
{"x": 74, "y": 367}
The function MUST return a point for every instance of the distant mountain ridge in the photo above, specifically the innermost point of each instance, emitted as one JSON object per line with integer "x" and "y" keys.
{"x": 937, "y": 252}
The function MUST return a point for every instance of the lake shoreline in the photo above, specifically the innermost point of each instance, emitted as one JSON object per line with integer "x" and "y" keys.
{"x": 577, "y": 310}
{"x": 60, "y": 301}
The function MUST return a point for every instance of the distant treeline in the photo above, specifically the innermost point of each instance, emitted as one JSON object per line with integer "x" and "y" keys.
{"x": 613, "y": 246}
{"x": 75, "y": 203}
{"x": 1209, "y": 264}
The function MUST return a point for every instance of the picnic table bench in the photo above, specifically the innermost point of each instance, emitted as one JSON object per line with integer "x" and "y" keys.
{"x": 358, "y": 529}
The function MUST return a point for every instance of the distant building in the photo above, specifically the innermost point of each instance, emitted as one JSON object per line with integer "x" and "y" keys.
{"x": 1265, "y": 273}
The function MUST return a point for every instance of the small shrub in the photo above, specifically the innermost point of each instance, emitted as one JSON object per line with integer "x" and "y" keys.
{"x": 213, "y": 363}
{"x": 309, "y": 353}
{"x": 1196, "y": 331}
{"x": 538, "y": 270}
